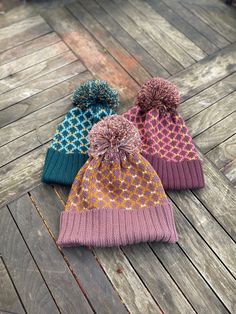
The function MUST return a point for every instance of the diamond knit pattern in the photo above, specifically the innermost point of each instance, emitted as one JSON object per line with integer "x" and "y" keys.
{"x": 128, "y": 184}
{"x": 162, "y": 136}
{"x": 72, "y": 134}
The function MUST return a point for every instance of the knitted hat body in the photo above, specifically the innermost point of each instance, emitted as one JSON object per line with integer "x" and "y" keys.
{"x": 168, "y": 146}
{"x": 69, "y": 149}
{"x": 116, "y": 203}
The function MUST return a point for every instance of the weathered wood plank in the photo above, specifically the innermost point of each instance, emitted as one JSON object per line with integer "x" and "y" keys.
{"x": 23, "y": 31}
{"x": 24, "y": 272}
{"x": 15, "y": 15}
{"x": 155, "y": 33}
{"x": 189, "y": 280}
{"x": 211, "y": 115}
{"x": 230, "y": 171}
{"x": 136, "y": 71}
{"x": 206, "y": 72}
{"x": 156, "y": 279}
{"x": 122, "y": 275}
{"x": 218, "y": 196}
{"x": 154, "y": 49}
{"x": 98, "y": 62}
{"x": 37, "y": 70}
{"x": 164, "y": 26}
{"x": 29, "y": 47}
{"x": 28, "y": 61}
{"x": 21, "y": 175}
{"x": 130, "y": 44}
{"x": 184, "y": 27}
{"x": 42, "y": 83}
{"x": 216, "y": 134}
{"x": 208, "y": 97}
{"x": 35, "y": 120}
{"x": 205, "y": 224}
{"x": 96, "y": 285}
{"x": 9, "y": 300}
{"x": 202, "y": 27}
{"x": 42, "y": 99}
{"x": 202, "y": 257}
{"x": 126, "y": 281}
{"x": 224, "y": 153}
{"x": 53, "y": 267}
{"x": 213, "y": 20}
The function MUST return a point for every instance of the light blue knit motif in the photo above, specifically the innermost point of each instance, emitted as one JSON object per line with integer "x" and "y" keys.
{"x": 72, "y": 134}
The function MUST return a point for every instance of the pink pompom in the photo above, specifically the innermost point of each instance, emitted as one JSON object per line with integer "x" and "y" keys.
{"x": 158, "y": 93}
{"x": 113, "y": 138}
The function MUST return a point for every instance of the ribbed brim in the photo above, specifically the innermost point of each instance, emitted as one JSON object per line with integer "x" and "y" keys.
{"x": 114, "y": 227}
{"x": 61, "y": 168}
{"x": 186, "y": 174}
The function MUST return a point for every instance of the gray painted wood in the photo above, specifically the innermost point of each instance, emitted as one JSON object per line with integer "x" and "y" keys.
{"x": 9, "y": 300}
{"x": 24, "y": 272}
{"x": 57, "y": 275}
{"x": 97, "y": 287}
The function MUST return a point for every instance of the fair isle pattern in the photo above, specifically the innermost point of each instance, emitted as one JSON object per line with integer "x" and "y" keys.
{"x": 72, "y": 134}
{"x": 129, "y": 184}
{"x": 162, "y": 136}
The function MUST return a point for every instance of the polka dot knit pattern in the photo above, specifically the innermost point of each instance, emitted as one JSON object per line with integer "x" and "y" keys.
{"x": 117, "y": 197}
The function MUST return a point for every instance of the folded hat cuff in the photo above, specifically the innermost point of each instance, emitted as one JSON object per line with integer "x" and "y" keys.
{"x": 61, "y": 168}
{"x": 177, "y": 175}
{"x": 114, "y": 227}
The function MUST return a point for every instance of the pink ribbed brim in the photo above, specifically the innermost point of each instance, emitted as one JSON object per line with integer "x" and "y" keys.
{"x": 174, "y": 175}
{"x": 114, "y": 227}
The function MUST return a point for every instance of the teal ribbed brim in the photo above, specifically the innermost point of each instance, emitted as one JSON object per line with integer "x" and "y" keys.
{"x": 61, "y": 168}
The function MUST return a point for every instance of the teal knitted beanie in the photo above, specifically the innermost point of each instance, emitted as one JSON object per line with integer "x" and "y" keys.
{"x": 93, "y": 100}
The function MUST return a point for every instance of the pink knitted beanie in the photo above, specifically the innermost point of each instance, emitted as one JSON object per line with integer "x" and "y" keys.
{"x": 167, "y": 144}
{"x": 117, "y": 197}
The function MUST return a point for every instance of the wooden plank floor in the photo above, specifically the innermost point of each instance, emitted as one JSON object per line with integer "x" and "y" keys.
{"x": 46, "y": 50}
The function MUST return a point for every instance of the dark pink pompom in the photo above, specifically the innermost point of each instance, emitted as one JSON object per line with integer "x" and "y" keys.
{"x": 113, "y": 138}
{"x": 158, "y": 93}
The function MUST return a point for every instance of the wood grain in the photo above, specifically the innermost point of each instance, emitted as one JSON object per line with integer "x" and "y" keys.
{"x": 208, "y": 97}
{"x": 211, "y": 115}
{"x": 97, "y": 287}
{"x": 136, "y": 71}
{"x": 154, "y": 49}
{"x": 98, "y": 62}
{"x": 177, "y": 37}
{"x": 210, "y": 33}
{"x": 42, "y": 99}
{"x": 40, "y": 84}
{"x": 24, "y": 272}
{"x": 9, "y": 300}
{"x": 23, "y": 31}
{"x": 15, "y": 15}
{"x": 230, "y": 171}
{"x": 216, "y": 134}
{"x": 183, "y": 26}
{"x": 128, "y": 42}
{"x": 224, "y": 153}
{"x": 28, "y": 48}
{"x": 188, "y": 279}
{"x": 54, "y": 269}
{"x": 37, "y": 70}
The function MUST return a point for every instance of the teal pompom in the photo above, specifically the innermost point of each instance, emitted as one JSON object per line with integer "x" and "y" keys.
{"x": 95, "y": 92}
